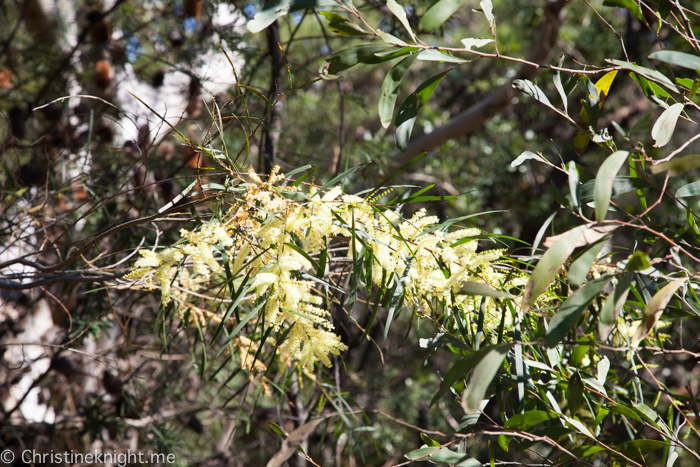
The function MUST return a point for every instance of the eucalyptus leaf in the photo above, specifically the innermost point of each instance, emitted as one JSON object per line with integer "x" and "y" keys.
{"x": 686, "y": 191}
{"x": 482, "y": 376}
{"x": 602, "y": 190}
{"x": 439, "y": 12}
{"x": 666, "y": 124}
{"x": 432, "y": 55}
{"x": 411, "y": 107}
{"x": 469, "y": 43}
{"x": 390, "y": 89}
{"x": 581, "y": 267}
{"x": 277, "y": 8}
{"x": 400, "y": 13}
{"x": 654, "y": 309}
{"x": 612, "y": 306}
{"x": 681, "y": 59}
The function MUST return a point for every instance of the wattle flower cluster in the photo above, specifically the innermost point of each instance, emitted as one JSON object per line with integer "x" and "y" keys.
{"x": 274, "y": 235}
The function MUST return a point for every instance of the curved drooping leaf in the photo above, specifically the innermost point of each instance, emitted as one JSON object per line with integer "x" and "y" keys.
{"x": 677, "y": 58}
{"x": 666, "y": 124}
{"x": 630, "y": 5}
{"x": 646, "y": 72}
{"x": 295, "y": 438}
{"x": 549, "y": 265}
{"x": 366, "y": 53}
{"x": 341, "y": 25}
{"x": 400, "y": 13}
{"x": 527, "y": 420}
{"x": 390, "y": 89}
{"x": 579, "y": 269}
{"x": 277, "y": 8}
{"x": 560, "y": 88}
{"x": 391, "y": 39}
{"x": 602, "y": 190}
{"x": 487, "y": 8}
{"x": 639, "y": 261}
{"x": 588, "y": 117}
{"x": 411, "y": 107}
{"x": 572, "y": 309}
{"x": 612, "y": 306}
{"x": 654, "y": 309}
{"x": 540, "y": 233}
{"x": 691, "y": 189}
{"x": 532, "y": 90}
{"x": 526, "y": 155}
{"x": 482, "y": 376}
{"x": 459, "y": 370}
{"x": 437, "y": 13}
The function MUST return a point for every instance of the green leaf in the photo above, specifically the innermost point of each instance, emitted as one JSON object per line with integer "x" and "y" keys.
{"x": 549, "y": 265}
{"x": 390, "y": 89}
{"x": 532, "y": 90}
{"x": 541, "y": 232}
{"x": 677, "y": 165}
{"x": 574, "y": 393}
{"x": 482, "y": 375}
{"x": 630, "y": 5}
{"x": 573, "y": 182}
{"x": 277, "y": 8}
{"x": 397, "y": 297}
{"x": 459, "y": 370}
{"x": 391, "y": 39}
{"x": 239, "y": 326}
{"x": 560, "y": 88}
{"x": 638, "y": 447}
{"x": 348, "y": 58}
{"x": 604, "y": 182}
{"x": 666, "y": 124}
{"x": 400, "y": 13}
{"x": 527, "y": 420}
{"x": 646, "y": 72}
{"x": 654, "y": 309}
{"x": 341, "y": 25}
{"x": 681, "y": 59}
{"x": 639, "y": 261}
{"x": 581, "y": 267}
{"x": 664, "y": 10}
{"x": 692, "y": 189}
{"x": 481, "y": 289}
{"x": 572, "y": 309}
{"x": 432, "y": 55}
{"x": 411, "y": 107}
{"x": 612, "y": 306}
{"x": 437, "y": 13}
{"x": 444, "y": 456}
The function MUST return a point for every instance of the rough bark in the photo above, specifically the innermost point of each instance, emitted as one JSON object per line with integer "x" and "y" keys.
{"x": 274, "y": 123}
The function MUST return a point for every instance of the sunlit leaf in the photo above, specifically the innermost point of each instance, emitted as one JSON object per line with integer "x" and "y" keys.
{"x": 437, "y": 13}
{"x": 411, "y": 107}
{"x": 482, "y": 376}
{"x": 390, "y": 89}
{"x": 666, "y": 124}
{"x": 654, "y": 309}
{"x": 602, "y": 190}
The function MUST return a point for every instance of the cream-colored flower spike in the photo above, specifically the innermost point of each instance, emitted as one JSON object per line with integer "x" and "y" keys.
{"x": 254, "y": 238}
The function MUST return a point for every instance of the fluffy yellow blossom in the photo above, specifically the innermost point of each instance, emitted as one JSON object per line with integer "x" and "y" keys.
{"x": 272, "y": 239}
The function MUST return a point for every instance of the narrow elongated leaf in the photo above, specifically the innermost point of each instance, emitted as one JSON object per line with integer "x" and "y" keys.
{"x": 341, "y": 25}
{"x": 482, "y": 376}
{"x": 574, "y": 393}
{"x": 630, "y": 5}
{"x": 437, "y": 13}
{"x": 579, "y": 269}
{"x": 591, "y": 235}
{"x": 573, "y": 182}
{"x": 654, "y": 309}
{"x": 367, "y": 53}
{"x": 482, "y": 290}
{"x": 411, "y": 107}
{"x": 560, "y": 88}
{"x": 459, "y": 370}
{"x": 646, "y": 72}
{"x": 443, "y": 456}
{"x": 612, "y": 306}
{"x": 588, "y": 117}
{"x": 432, "y": 55}
{"x": 397, "y": 297}
{"x": 527, "y": 420}
{"x": 400, "y": 13}
{"x": 672, "y": 57}
{"x": 604, "y": 182}
{"x": 550, "y": 264}
{"x": 391, "y": 39}
{"x": 277, "y": 8}
{"x": 390, "y": 89}
{"x": 572, "y": 309}
{"x": 666, "y": 124}
{"x": 469, "y": 43}
{"x": 692, "y": 189}
{"x": 531, "y": 89}
{"x": 540, "y": 233}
